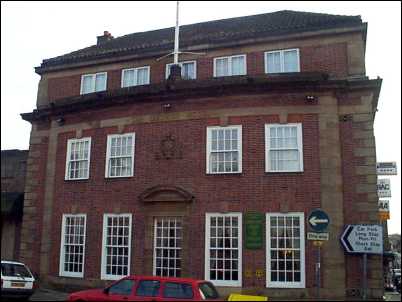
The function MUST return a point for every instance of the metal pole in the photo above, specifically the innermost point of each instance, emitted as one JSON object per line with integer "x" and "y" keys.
{"x": 176, "y": 37}
{"x": 364, "y": 276}
{"x": 318, "y": 271}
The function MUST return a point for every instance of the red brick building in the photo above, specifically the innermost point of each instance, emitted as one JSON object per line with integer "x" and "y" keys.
{"x": 130, "y": 173}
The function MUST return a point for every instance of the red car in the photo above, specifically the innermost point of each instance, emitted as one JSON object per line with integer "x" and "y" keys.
{"x": 140, "y": 288}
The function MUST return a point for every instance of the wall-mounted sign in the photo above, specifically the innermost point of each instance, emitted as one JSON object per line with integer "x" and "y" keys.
{"x": 383, "y": 216}
{"x": 363, "y": 238}
{"x": 254, "y": 223}
{"x": 384, "y": 187}
{"x": 386, "y": 168}
{"x": 383, "y": 205}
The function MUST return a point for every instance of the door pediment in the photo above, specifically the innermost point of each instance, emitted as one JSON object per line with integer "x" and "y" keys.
{"x": 165, "y": 193}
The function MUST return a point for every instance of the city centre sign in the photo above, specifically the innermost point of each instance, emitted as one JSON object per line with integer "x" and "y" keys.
{"x": 363, "y": 239}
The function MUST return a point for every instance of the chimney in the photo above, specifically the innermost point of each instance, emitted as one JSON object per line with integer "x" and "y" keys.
{"x": 107, "y": 36}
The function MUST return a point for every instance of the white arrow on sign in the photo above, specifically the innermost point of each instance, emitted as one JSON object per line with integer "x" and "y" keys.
{"x": 314, "y": 221}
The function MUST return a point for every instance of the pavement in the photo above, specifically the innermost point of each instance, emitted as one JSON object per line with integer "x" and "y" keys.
{"x": 392, "y": 296}
{"x": 43, "y": 294}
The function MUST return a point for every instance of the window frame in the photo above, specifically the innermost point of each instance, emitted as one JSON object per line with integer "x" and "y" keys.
{"x": 239, "y": 144}
{"x": 231, "y": 283}
{"x": 68, "y": 154}
{"x": 167, "y": 69}
{"x": 62, "y": 272}
{"x": 230, "y": 65}
{"x": 104, "y": 275}
{"x": 282, "y": 61}
{"x": 299, "y": 131}
{"x": 93, "y": 75}
{"x": 108, "y": 154}
{"x": 168, "y": 219}
{"x": 135, "y": 76}
{"x": 284, "y": 284}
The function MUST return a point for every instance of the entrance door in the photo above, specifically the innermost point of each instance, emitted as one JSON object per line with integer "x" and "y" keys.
{"x": 167, "y": 246}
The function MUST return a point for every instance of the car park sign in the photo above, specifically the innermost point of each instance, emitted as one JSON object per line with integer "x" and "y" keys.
{"x": 318, "y": 220}
{"x": 363, "y": 239}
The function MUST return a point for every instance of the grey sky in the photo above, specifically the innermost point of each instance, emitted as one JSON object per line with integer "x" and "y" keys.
{"x": 33, "y": 31}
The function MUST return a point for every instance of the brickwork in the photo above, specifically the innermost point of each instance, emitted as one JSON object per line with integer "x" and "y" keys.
{"x": 331, "y": 59}
{"x": 338, "y": 158}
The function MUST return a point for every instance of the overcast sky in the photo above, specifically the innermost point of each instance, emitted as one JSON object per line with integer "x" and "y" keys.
{"x": 33, "y": 31}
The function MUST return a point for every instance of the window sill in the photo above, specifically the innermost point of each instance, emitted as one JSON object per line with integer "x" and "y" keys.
{"x": 282, "y": 172}
{"x": 76, "y": 179}
{"x": 224, "y": 173}
{"x": 118, "y": 177}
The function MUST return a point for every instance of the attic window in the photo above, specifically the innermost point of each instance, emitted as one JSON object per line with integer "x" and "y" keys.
{"x": 135, "y": 76}
{"x": 93, "y": 82}
{"x": 188, "y": 70}
{"x": 282, "y": 61}
{"x": 230, "y": 66}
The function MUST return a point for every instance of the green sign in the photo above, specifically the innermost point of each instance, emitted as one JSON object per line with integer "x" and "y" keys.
{"x": 254, "y": 223}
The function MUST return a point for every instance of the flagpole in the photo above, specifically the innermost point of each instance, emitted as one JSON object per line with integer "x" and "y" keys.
{"x": 176, "y": 37}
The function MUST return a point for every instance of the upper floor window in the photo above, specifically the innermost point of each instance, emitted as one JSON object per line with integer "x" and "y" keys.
{"x": 77, "y": 159}
{"x": 284, "y": 148}
{"x": 230, "y": 66}
{"x": 93, "y": 82}
{"x": 282, "y": 61}
{"x": 120, "y": 155}
{"x": 135, "y": 76}
{"x": 224, "y": 149}
{"x": 188, "y": 70}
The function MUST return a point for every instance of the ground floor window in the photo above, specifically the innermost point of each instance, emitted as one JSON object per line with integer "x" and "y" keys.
{"x": 116, "y": 246}
{"x": 285, "y": 250}
{"x": 167, "y": 247}
{"x": 223, "y": 249}
{"x": 72, "y": 248}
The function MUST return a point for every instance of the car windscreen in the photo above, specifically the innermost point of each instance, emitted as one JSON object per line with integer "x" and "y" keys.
{"x": 15, "y": 270}
{"x": 208, "y": 290}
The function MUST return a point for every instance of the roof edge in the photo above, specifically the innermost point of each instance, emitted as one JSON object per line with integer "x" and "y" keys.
{"x": 109, "y": 59}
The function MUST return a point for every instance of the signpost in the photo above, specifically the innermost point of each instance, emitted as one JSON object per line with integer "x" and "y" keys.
{"x": 386, "y": 168}
{"x": 318, "y": 221}
{"x": 363, "y": 239}
{"x": 384, "y": 187}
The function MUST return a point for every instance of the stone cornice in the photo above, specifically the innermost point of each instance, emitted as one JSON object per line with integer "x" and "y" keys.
{"x": 193, "y": 89}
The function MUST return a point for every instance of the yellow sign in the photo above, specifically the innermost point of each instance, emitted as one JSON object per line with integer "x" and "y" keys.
{"x": 259, "y": 273}
{"x": 383, "y": 216}
{"x": 238, "y": 297}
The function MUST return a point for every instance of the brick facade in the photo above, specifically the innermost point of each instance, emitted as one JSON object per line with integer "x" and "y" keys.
{"x": 331, "y": 59}
{"x": 338, "y": 159}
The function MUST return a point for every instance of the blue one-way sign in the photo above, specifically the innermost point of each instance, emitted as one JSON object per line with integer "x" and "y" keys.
{"x": 318, "y": 220}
